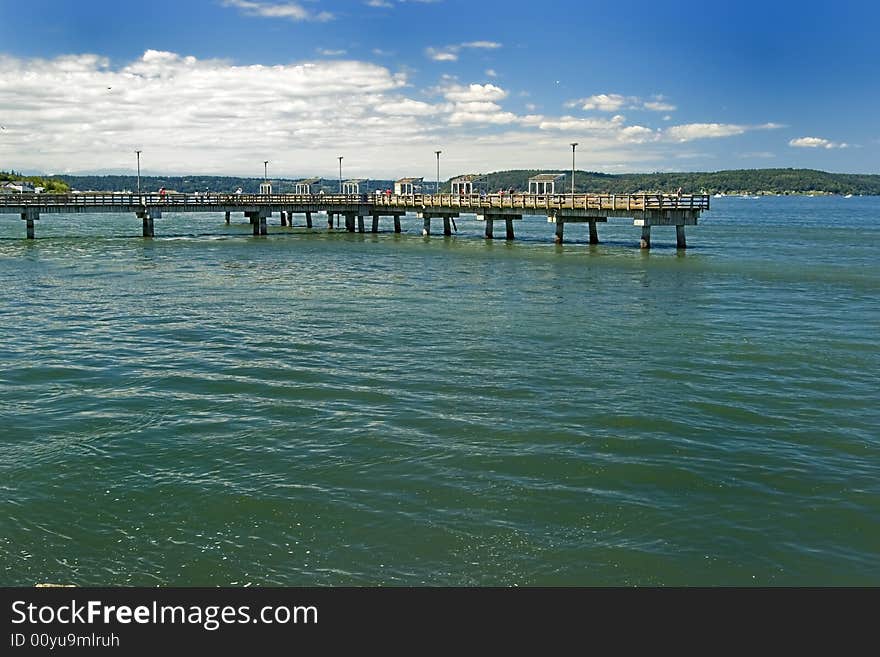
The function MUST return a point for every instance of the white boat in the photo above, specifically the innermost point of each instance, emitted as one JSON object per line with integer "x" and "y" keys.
{"x": 848, "y": 196}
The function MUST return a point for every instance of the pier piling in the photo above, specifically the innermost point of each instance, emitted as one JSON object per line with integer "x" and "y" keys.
{"x": 426, "y": 226}
{"x": 594, "y": 233}
{"x": 397, "y": 223}
{"x": 508, "y": 229}
{"x": 360, "y": 223}
{"x": 228, "y": 217}
{"x": 645, "y": 242}
{"x": 308, "y": 220}
{"x": 489, "y": 227}
{"x": 560, "y": 229}
{"x": 375, "y": 223}
{"x": 29, "y": 218}
{"x": 679, "y": 237}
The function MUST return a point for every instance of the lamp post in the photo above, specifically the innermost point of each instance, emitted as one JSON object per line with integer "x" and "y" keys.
{"x": 265, "y": 170}
{"x": 438, "y": 170}
{"x": 138, "y": 153}
{"x": 573, "y": 146}
{"x": 340, "y": 174}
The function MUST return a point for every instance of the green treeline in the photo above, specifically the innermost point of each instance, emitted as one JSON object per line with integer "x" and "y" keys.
{"x": 50, "y": 185}
{"x": 751, "y": 181}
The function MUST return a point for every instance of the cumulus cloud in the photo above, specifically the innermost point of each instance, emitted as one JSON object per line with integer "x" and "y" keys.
{"x": 617, "y": 102}
{"x": 188, "y": 115}
{"x": 692, "y": 131}
{"x": 288, "y": 10}
{"x": 450, "y": 53}
{"x": 816, "y": 142}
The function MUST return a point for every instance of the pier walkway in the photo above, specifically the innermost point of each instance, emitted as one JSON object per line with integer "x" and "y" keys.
{"x": 646, "y": 210}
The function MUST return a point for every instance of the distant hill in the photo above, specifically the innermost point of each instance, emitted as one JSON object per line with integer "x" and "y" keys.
{"x": 51, "y": 185}
{"x": 192, "y": 184}
{"x": 752, "y": 181}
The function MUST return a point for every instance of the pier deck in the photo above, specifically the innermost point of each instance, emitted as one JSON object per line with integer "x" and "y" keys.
{"x": 646, "y": 210}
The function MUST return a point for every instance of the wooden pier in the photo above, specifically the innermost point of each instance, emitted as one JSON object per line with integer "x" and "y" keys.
{"x": 646, "y": 210}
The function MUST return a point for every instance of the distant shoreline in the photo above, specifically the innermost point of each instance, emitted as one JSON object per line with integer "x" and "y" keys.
{"x": 751, "y": 182}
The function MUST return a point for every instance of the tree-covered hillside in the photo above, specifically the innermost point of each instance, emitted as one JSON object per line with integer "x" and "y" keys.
{"x": 49, "y": 185}
{"x": 753, "y": 181}
{"x": 776, "y": 181}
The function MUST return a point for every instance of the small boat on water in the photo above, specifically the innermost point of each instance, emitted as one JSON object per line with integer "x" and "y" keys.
{"x": 848, "y": 196}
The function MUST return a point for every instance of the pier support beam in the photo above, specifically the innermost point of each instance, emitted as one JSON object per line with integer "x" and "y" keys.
{"x": 147, "y": 216}
{"x": 498, "y": 216}
{"x": 308, "y": 220}
{"x": 228, "y": 217}
{"x": 645, "y": 242}
{"x": 397, "y": 223}
{"x": 560, "y": 229}
{"x": 360, "y": 223}
{"x": 594, "y": 233}
{"x": 680, "y": 242}
{"x": 349, "y": 222}
{"x": 29, "y": 218}
{"x": 330, "y": 220}
{"x": 427, "y": 215}
{"x": 258, "y": 220}
{"x": 375, "y": 223}
{"x": 283, "y": 217}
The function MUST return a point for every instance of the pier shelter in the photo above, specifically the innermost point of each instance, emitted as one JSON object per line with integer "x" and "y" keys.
{"x": 307, "y": 186}
{"x": 475, "y": 183}
{"x": 545, "y": 183}
{"x": 408, "y": 186}
{"x": 353, "y": 186}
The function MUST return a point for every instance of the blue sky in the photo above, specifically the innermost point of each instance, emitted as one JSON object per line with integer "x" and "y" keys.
{"x": 218, "y": 86}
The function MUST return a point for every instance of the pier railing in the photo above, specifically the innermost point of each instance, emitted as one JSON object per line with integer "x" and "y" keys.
{"x": 463, "y": 202}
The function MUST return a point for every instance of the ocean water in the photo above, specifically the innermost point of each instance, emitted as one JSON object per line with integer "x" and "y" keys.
{"x": 320, "y": 408}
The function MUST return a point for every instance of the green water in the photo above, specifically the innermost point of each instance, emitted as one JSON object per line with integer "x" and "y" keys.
{"x": 209, "y": 408}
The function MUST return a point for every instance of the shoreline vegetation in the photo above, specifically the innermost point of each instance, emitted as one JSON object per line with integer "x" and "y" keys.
{"x": 752, "y": 182}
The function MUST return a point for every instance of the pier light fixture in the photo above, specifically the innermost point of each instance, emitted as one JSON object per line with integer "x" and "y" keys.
{"x": 265, "y": 170}
{"x": 573, "y": 146}
{"x": 438, "y": 170}
{"x": 340, "y": 174}
{"x": 138, "y": 153}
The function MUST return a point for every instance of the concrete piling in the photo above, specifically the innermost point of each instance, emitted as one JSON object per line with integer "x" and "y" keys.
{"x": 680, "y": 241}
{"x": 560, "y": 229}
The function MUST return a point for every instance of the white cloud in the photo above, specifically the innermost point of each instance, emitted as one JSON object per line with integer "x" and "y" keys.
{"x": 691, "y": 131}
{"x": 330, "y": 53}
{"x": 441, "y": 55}
{"x": 487, "y": 45}
{"x": 659, "y": 106}
{"x": 601, "y": 102}
{"x": 815, "y": 142}
{"x": 450, "y": 53}
{"x": 474, "y": 93}
{"x": 379, "y": 3}
{"x": 289, "y": 10}
{"x": 192, "y": 115}
{"x": 490, "y": 73}
{"x": 616, "y": 102}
